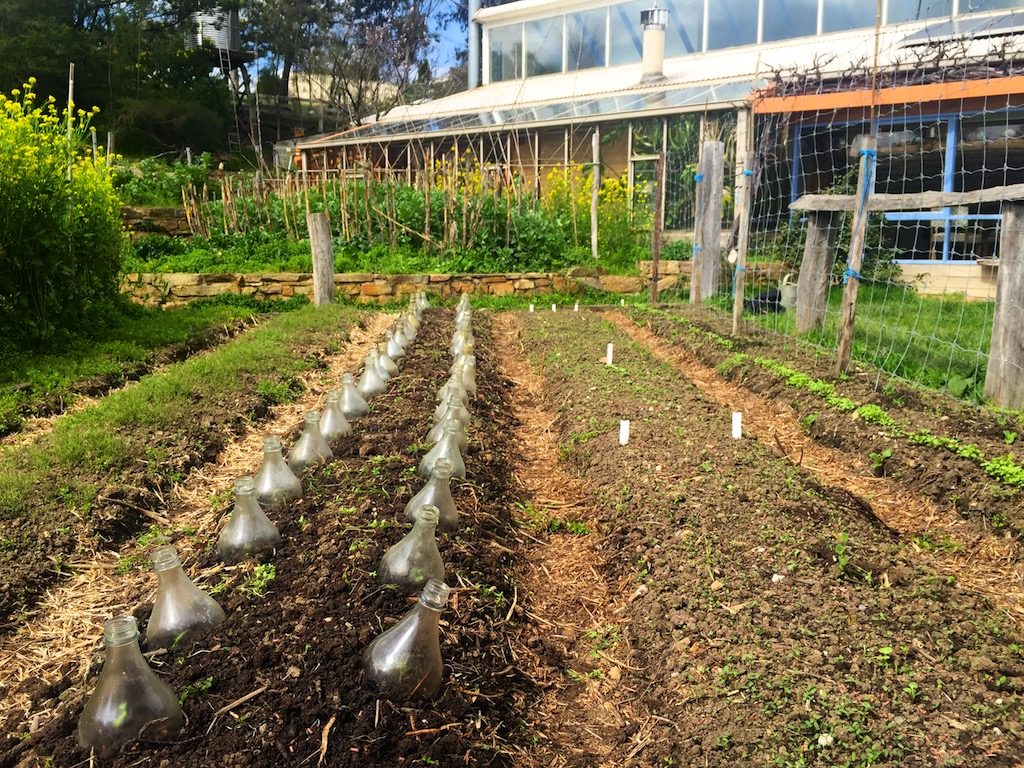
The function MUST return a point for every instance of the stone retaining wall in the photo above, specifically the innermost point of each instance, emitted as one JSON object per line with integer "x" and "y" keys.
{"x": 174, "y": 289}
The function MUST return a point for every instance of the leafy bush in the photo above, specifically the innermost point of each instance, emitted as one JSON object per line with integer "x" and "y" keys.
{"x": 154, "y": 182}
{"x": 60, "y": 226}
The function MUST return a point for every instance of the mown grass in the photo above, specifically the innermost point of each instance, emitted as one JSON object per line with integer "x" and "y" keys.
{"x": 138, "y": 426}
{"x": 109, "y": 348}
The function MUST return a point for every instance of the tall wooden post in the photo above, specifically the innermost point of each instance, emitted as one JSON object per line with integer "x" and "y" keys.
{"x": 110, "y": 148}
{"x": 743, "y": 243}
{"x": 1004, "y": 381}
{"x": 711, "y": 252}
{"x": 812, "y": 284}
{"x": 852, "y": 276}
{"x": 659, "y": 216}
{"x": 323, "y": 258}
{"x": 594, "y": 193}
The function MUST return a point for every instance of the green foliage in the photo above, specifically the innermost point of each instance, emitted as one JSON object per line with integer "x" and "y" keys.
{"x": 60, "y": 226}
{"x": 258, "y": 579}
{"x": 194, "y": 689}
{"x": 154, "y": 182}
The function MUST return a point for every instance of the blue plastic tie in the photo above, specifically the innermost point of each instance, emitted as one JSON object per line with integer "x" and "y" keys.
{"x": 740, "y": 268}
{"x": 748, "y": 173}
{"x": 697, "y": 248}
{"x": 698, "y": 177}
{"x": 869, "y": 152}
{"x": 851, "y": 273}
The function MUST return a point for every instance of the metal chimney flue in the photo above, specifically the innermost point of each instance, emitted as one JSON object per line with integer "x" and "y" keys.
{"x": 654, "y": 22}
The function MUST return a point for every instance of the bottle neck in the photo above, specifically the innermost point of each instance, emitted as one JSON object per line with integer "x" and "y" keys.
{"x": 426, "y": 616}
{"x": 122, "y": 655}
{"x": 172, "y": 577}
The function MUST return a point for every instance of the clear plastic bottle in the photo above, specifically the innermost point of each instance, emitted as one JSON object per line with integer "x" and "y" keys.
{"x": 415, "y": 559}
{"x": 401, "y": 338}
{"x": 469, "y": 374}
{"x": 333, "y": 424}
{"x": 129, "y": 702}
{"x": 453, "y": 408}
{"x": 182, "y": 612}
{"x": 436, "y": 493}
{"x": 249, "y": 532}
{"x": 445, "y": 448}
{"x": 462, "y": 339}
{"x": 276, "y": 484}
{"x": 371, "y": 384}
{"x": 352, "y": 403}
{"x": 395, "y": 350}
{"x": 384, "y": 359}
{"x": 437, "y": 432}
{"x": 404, "y": 663}
{"x": 311, "y": 449}
{"x": 454, "y": 380}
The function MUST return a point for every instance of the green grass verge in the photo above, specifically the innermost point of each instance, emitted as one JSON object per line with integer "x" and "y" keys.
{"x": 141, "y": 426}
{"x": 116, "y": 346}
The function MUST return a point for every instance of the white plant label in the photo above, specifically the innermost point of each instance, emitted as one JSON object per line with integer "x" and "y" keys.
{"x": 576, "y": 307}
{"x": 623, "y": 431}
{"x": 608, "y": 355}
{"x": 531, "y": 307}
{"x": 737, "y": 425}
{"x": 554, "y": 307}
{"x": 622, "y": 302}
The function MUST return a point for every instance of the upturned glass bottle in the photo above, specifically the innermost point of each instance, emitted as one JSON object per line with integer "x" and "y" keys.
{"x": 462, "y": 339}
{"x": 401, "y": 337}
{"x": 182, "y": 612}
{"x": 371, "y": 384}
{"x": 412, "y": 320}
{"x": 333, "y": 424}
{"x": 453, "y": 404}
{"x": 384, "y": 359}
{"x": 249, "y": 532}
{"x": 276, "y": 484}
{"x": 436, "y": 493}
{"x": 311, "y": 449}
{"x": 129, "y": 702}
{"x": 454, "y": 377}
{"x": 395, "y": 350}
{"x": 469, "y": 374}
{"x": 445, "y": 448}
{"x": 437, "y": 432}
{"x": 352, "y": 403}
{"x": 404, "y": 663}
{"x": 415, "y": 559}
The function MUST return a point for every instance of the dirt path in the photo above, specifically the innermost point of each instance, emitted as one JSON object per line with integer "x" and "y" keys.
{"x": 583, "y": 718}
{"x": 57, "y": 646}
{"x": 988, "y": 565}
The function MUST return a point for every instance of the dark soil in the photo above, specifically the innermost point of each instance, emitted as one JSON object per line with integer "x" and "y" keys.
{"x": 779, "y": 623}
{"x": 304, "y": 637}
{"x": 38, "y": 549}
{"x": 933, "y": 472}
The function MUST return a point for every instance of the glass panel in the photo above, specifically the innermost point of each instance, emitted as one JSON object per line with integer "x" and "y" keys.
{"x": 732, "y": 22}
{"x": 544, "y": 46}
{"x": 647, "y": 137}
{"x": 847, "y": 14}
{"x": 915, "y": 10}
{"x": 627, "y": 34}
{"x": 681, "y": 164}
{"x": 586, "y": 39}
{"x": 980, "y": 6}
{"x": 506, "y": 52}
{"x": 784, "y": 19}
{"x": 644, "y": 172}
{"x": 685, "y": 33}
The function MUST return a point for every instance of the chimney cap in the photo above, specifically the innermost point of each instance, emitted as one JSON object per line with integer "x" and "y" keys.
{"x": 654, "y": 17}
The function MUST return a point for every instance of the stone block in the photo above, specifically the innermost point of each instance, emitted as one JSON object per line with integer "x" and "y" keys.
{"x": 493, "y": 278}
{"x": 217, "y": 279}
{"x": 439, "y": 278}
{"x": 287, "y": 290}
{"x": 587, "y": 271}
{"x": 559, "y": 282}
{"x": 621, "y": 284}
{"x": 669, "y": 281}
{"x": 288, "y": 277}
{"x": 376, "y": 288}
{"x": 172, "y": 279}
{"x": 504, "y": 288}
{"x": 523, "y": 284}
{"x": 197, "y": 291}
{"x": 353, "y": 277}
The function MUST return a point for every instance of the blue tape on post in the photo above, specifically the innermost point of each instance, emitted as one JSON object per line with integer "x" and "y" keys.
{"x": 740, "y": 268}
{"x": 869, "y": 152}
{"x": 851, "y": 273}
{"x": 698, "y": 177}
{"x": 697, "y": 249}
{"x": 748, "y": 173}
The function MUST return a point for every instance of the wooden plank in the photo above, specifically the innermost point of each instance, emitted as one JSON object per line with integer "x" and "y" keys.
{"x": 1004, "y": 381}
{"x": 743, "y": 242}
{"x": 700, "y": 199}
{"x": 915, "y": 201}
{"x": 711, "y": 253}
{"x": 323, "y": 258}
{"x": 865, "y": 186}
{"x": 954, "y": 90}
{"x": 659, "y": 196}
{"x": 812, "y": 284}
{"x": 595, "y": 189}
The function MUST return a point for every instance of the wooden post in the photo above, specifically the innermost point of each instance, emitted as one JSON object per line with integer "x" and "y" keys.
{"x": 188, "y": 155}
{"x": 743, "y": 242}
{"x": 659, "y": 211}
{"x": 1004, "y": 381}
{"x": 110, "y": 147}
{"x": 865, "y": 187}
{"x": 595, "y": 192}
{"x": 700, "y": 201}
{"x": 323, "y": 258}
{"x": 711, "y": 251}
{"x": 95, "y": 145}
{"x": 812, "y": 284}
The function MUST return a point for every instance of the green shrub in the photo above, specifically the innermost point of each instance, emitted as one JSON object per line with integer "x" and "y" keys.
{"x": 60, "y": 226}
{"x": 154, "y": 182}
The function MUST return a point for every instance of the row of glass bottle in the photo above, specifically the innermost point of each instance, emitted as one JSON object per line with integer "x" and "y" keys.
{"x": 404, "y": 663}
{"x": 130, "y": 701}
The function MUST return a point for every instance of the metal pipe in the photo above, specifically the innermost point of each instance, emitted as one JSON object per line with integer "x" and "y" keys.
{"x": 473, "y": 60}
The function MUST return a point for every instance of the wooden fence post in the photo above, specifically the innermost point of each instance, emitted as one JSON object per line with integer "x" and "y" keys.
{"x": 852, "y": 276}
{"x": 700, "y": 203}
{"x": 659, "y": 216}
{"x": 1004, "y": 380}
{"x": 743, "y": 242}
{"x": 707, "y": 241}
{"x": 323, "y": 258}
{"x": 594, "y": 193}
{"x": 812, "y": 284}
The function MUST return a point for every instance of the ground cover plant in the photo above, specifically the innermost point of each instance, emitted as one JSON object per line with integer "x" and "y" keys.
{"x": 127, "y": 342}
{"x": 92, "y": 478}
{"x": 954, "y": 452}
{"x": 298, "y": 637}
{"x": 780, "y": 623}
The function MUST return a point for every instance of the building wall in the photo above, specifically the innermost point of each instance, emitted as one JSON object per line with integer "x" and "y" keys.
{"x": 973, "y": 281}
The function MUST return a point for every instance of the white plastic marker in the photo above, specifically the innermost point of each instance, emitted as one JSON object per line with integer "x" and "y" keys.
{"x": 554, "y": 307}
{"x": 622, "y": 302}
{"x": 608, "y": 355}
{"x": 531, "y": 307}
{"x": 576, "y": 307}
{"x": 623, "y": 431}
{"x": 737, "y": 425}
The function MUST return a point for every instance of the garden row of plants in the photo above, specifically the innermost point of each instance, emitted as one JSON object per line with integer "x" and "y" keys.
{"x": 774, "y": 622}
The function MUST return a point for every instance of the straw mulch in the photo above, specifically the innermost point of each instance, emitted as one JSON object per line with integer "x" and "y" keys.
{"x": 987, "y": 565}
{"x": 567, "y": 595}
{"x": 62, "y": 641}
